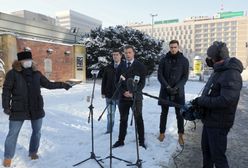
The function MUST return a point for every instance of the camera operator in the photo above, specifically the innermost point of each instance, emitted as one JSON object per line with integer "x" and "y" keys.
{"x": 219, "y": 101}
{"x": 129, "y": 69}
{"x": 173, "y": 73}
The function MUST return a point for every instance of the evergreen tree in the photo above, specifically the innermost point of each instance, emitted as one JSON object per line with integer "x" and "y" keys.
{"x": 101, "y": 42}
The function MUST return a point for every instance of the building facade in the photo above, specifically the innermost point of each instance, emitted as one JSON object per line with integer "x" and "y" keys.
{"x": 81, "y": 23}
{"x": 34, "y": 16}
{"x": 58, "y": 61}
{"x": 196, "y": 34}
{"x": 34, "y": 29}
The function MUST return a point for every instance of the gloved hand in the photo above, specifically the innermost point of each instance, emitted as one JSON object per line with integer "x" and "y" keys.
{"x": 172, "y": 91}
{"x": 194, "y": 102}
{"x": 7, "y": 111}
{"x": 66, "y": 86}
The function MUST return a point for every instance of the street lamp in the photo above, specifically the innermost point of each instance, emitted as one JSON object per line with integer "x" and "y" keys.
{"x": 153, "y": 15}
{"x": 74, "y": 31}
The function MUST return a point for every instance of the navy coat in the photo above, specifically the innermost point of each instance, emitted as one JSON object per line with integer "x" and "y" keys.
{"x": 173, "y": 71}
{"x": 221, "y": 94}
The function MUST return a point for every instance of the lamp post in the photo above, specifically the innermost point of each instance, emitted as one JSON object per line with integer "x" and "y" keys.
{"x": 74, "y": 31}
{"x": 153, "y": 15}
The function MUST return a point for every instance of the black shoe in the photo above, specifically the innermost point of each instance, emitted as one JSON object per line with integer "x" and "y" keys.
{"x": 118, "y": 144}
{"x": 107, "y": 132}
{"x": 143, "y": 145}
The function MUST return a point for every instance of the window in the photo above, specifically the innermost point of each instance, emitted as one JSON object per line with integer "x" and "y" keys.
{"x": 233, "y": 23}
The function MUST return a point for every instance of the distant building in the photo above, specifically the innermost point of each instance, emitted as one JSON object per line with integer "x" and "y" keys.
{"x": 196, "y": 34}
{"x": 36, "y": 30}
{"x": 34, "y": 16}
{"x": 76, "y": 21}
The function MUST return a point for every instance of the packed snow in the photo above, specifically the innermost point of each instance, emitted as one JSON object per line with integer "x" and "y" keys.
{"x": 66, "y": 133}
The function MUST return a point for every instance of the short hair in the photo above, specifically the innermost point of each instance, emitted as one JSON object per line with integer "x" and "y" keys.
{"x": 128, "y": 47}
{"x": 174, "y": 42}
{"x": 117, "y": 50}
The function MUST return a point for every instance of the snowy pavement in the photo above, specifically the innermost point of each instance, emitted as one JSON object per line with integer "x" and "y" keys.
{"x": 237, "y": 148}
{"x": 66, "y": 134}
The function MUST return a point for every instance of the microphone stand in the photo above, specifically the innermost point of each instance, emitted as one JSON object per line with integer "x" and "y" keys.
{"x": 111, "y": 156}
{"x": 91, "y": 107}
{"x": 139, "y": 161}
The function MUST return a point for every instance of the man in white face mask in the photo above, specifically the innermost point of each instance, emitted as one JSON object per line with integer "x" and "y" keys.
{"x": 22, "y": 100}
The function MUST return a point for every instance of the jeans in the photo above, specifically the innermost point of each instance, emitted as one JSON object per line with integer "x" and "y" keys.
{"x": 112, "y": 107}
{"x": 11, "y": 139}
{"x": 214, "y": 143}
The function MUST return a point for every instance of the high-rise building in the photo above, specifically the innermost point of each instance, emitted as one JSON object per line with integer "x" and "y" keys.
{"x": 76, "y": 21}
{"x": 196, "y": 34}
{"x": 34, "y": 16}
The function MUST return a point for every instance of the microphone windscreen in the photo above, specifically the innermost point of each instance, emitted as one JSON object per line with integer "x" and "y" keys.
{"x": 130, "y": 85}
{"x": 136, "y": 78}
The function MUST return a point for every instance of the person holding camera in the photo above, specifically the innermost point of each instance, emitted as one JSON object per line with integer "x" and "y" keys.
{"x": 108, "y": 87}
{"x": 130, "y": 68}
{"x": 219, "y": 102}
{"x": 173, "y": 73}
{"x": 22, "y": 100}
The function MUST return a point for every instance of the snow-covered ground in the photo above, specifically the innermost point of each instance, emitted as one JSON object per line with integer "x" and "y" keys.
{"x": 66, "y": 134}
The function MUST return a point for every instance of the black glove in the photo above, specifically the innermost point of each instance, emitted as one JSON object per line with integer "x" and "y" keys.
{"x": 7, "y": 111}
{"x": 66, "y": 86}
{"x": 172, "y": 91}
{"x": 194, "y": 102}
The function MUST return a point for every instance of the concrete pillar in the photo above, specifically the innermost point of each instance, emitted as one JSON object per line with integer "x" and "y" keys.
{"x": 80, "y": 62}
{"x": 9, "y": 50}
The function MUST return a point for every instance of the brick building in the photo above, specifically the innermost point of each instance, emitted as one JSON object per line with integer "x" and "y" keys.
{"x": 65, "y": 61}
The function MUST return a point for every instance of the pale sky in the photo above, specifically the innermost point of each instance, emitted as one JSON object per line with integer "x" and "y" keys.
{"x": 119, "y": 12}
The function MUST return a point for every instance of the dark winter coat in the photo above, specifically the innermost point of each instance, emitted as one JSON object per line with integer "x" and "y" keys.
{"x": 221, "y": 94}
{"x": 173, "y": 71}
{"x": 136, "y": 69}
{"x": 22, "y": 95}
{"x": 108, "y": 81}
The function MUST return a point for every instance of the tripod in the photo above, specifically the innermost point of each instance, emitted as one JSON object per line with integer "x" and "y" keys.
{"x": 139, "y": 161}
{"x": 92, "y": 156}
{"x": 111, "y": 156}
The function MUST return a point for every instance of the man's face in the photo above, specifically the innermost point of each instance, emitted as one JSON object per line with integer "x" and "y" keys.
{"x": 116, "y": 57}
{"x": 129, "y": 54}
{"x": 174, "y": 48}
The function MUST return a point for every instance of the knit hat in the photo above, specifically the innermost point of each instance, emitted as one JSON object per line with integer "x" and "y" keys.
{"x": 218, "y": 51}
{"x": 24, "y": 55}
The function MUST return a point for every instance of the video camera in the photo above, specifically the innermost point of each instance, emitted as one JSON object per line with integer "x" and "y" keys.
{"x": 191, "y": 112}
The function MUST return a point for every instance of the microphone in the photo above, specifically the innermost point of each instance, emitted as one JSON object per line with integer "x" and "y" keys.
{"x": 95, "y": 72}
{"x": 136, "y": 79}
{"x": 130, "y": 85}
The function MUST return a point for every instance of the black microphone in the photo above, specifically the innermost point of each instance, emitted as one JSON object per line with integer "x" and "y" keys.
{"x": 130, "y": 85}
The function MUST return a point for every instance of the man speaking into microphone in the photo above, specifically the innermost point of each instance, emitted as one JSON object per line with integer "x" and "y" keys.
{"x": 130, "y": 68}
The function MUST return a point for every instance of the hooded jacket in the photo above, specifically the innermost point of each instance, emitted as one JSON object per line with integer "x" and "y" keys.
{"x": 22, "y": 96}
{"x": 221, "y": 94}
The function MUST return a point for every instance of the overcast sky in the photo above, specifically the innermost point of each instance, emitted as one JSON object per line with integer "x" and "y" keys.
{"x": 119, "y": 12}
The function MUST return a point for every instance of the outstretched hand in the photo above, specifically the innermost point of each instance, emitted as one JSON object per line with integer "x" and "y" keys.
{"x": 66, "y": 86}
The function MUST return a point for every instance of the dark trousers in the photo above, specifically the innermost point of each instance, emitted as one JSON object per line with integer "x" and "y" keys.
{"x": 124, "y": 107}
{"x": 214, "y": 143}
{"x": 163, "y": 119}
